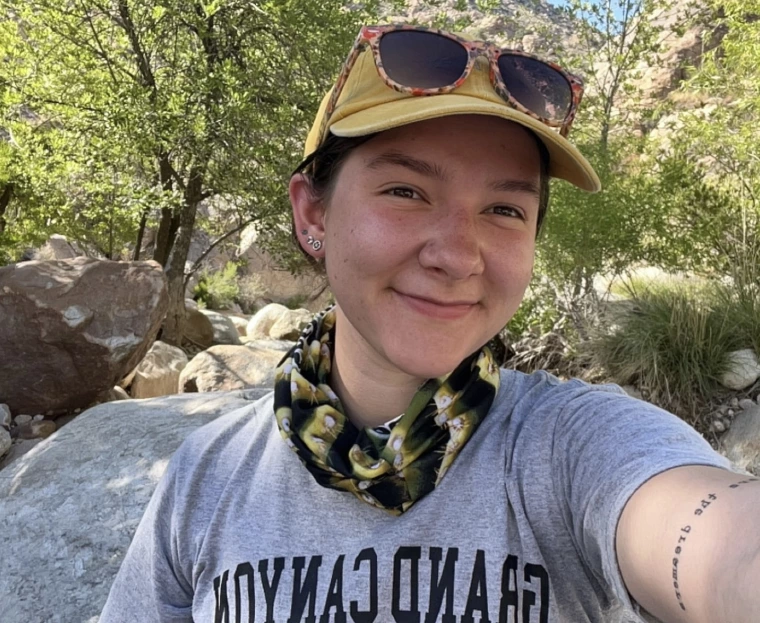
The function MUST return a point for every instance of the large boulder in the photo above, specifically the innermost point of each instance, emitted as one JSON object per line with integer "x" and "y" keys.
{"x": 158, "y": 373}
{"x": 289, "y": 325}
{"x": 57, "y": 247}
{"x": 198, "y": 328}
{"x": 70, "y": 329}
{"x": 278, "y": 322}
{"x": 742, "y": 371}
{"x": 225, "y": 368}
{"x": 241, "y": 324}
{"x": 5, "y": 442}
{"x": 225, "y": 331}
{"x": 75, "y": 500}
{"x": 741, "y": 444}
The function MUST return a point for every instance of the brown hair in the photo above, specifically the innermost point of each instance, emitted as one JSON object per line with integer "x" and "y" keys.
{"x": 323, "y": 165}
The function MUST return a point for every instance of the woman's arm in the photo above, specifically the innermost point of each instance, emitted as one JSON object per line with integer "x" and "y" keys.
{"x": 688, "y": 544}
{"x": 151, "y": 586}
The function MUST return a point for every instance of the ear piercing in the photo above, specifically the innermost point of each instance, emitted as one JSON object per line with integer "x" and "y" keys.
{"x": 311, "y": 240}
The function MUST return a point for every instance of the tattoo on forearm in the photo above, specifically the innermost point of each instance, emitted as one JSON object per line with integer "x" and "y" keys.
{"x": 736, "y": 485}
{"x": 686, "y": 531}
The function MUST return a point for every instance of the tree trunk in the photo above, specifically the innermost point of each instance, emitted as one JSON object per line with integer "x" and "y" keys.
{"x": 173, "y": 329}
{"x": 140, "y": 236}
{"x": 163, "y": 238}
{"x": 167, "y": 228}
{"x": 5, "y": 199}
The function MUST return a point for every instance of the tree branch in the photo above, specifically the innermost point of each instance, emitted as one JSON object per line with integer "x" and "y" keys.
{"x": 146, "y": 73}
{"x": 197, "y": 264}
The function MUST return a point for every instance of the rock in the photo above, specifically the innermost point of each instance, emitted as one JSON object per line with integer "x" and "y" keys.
{"x": 114, "y": 394}
{"x": 19, "y": 448}
{"x": 225, "y": 331}
{"x": 75, "y": 524}
{"x": 289, "y": 325}
{"x": 191, "y": 304}
{"x": 37, "y": 418}
{"x": 158, "y": 374}
{"x": 57, "y": 247}
{"x": 742, "y": 443}
{"x": 241, "y": 324}
{"x": 280, "y": 345}
{"x": 5, "y": 441}
{"x": 23, "y": 419}
{"x": 278, "y": 322}
{"x": 730, "y": 412}
{"x": 36, "y": 430}
{"x": 742, "y": 371}
{"x": 746, "y": 403}
{"x": 224, "y": 368}
{"x": 198, "y": 329}
{"x": 718, "y": 426}
{"x": 734, "y": 403}
{"x": 70, "y": 329}
{"x": 43, "y": 428}
{"x": 261, "y": 322}
{"x": 5, "y": 416}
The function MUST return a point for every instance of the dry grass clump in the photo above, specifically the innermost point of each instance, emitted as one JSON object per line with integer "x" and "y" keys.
{"x": 673, "y": 341}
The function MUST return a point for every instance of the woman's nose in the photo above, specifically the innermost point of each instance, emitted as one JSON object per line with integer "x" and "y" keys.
{"x": 453, "y": 246}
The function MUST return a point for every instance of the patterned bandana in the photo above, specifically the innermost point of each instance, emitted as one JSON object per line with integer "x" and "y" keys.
{"x": 389, "y": 467}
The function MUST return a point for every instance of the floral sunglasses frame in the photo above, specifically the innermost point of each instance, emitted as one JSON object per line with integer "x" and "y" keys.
{"x": 371, "y": 35}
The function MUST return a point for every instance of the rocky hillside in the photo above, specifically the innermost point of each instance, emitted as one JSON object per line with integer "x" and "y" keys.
{"x": 532, "y": 25}
{"x": 539, "y": 27}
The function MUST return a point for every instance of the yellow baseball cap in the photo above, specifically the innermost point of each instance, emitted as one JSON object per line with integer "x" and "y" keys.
{"x": 367, "y": 105}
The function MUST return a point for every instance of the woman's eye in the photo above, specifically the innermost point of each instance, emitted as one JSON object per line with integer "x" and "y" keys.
{"x": 507, "y": 211}
{"x": 403, "y": 192}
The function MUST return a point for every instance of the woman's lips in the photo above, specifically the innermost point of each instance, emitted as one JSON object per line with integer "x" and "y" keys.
{"x": 426, "y": 307}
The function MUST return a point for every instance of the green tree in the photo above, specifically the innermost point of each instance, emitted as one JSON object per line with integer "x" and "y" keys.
{"x": 588, "y": 235}
{"x": 160, "y": 106}
{"x": 719, "y": 143}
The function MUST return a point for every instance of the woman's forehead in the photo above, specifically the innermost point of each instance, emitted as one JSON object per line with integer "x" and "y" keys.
{"x": 435, "y": 146}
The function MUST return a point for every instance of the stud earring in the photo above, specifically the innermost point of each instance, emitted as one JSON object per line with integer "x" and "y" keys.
{"x": 315, "y": 244}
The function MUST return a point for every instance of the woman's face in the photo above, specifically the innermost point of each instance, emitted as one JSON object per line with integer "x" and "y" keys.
{"x": 429, "y": 239}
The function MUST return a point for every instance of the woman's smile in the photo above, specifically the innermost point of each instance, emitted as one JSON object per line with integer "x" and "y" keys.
{"x": 440, "y": 310}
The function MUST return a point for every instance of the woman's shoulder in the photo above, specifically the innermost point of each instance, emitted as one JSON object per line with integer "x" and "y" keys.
{"x": 216, "y": 448}
{"x": 542, "y": 390}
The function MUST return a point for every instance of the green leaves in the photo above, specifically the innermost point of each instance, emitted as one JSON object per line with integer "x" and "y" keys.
{"x": 127, "y": 102}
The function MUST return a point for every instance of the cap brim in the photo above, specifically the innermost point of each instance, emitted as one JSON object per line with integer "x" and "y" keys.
{"x": 566, "y": 162}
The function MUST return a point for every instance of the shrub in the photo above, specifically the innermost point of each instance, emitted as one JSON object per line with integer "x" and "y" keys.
{"x": 250, "y": 291}
{"x": 537, "y": 314}
{"x": 218, "y": 290}
{"x": 673, "y": 341}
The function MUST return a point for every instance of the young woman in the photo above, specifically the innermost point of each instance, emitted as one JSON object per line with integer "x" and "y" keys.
{"x": 396, "y": 473}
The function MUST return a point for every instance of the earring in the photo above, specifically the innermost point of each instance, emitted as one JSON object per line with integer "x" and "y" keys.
{"x": 315, "y": 244}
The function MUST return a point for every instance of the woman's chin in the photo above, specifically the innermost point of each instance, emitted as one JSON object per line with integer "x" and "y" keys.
{"x": 432, "y": 364}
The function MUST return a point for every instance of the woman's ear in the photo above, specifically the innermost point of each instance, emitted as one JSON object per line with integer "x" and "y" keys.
{"x": 308, "y": 215}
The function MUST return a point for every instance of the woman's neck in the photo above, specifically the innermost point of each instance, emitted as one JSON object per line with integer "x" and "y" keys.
{"x": 371, "y": 390}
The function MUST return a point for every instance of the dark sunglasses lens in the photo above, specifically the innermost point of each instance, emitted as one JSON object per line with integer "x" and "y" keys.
{"x": 422, "y": 60}
{"x": 537, "y": 86}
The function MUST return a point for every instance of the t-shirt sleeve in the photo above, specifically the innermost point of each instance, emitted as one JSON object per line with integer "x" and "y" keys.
{"x": 151, "y": 585}
{"x": 606, "y": 445}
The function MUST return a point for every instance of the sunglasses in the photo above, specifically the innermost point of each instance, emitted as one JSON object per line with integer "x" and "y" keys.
{"x": 426, "y": 61}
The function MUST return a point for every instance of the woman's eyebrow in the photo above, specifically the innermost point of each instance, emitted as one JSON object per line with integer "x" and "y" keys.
{"x": 517, "y": 186}
{"x": 396, "y": 158}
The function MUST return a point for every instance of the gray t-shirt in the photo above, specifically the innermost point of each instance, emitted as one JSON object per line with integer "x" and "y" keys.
{"x": 521, "y": 530}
